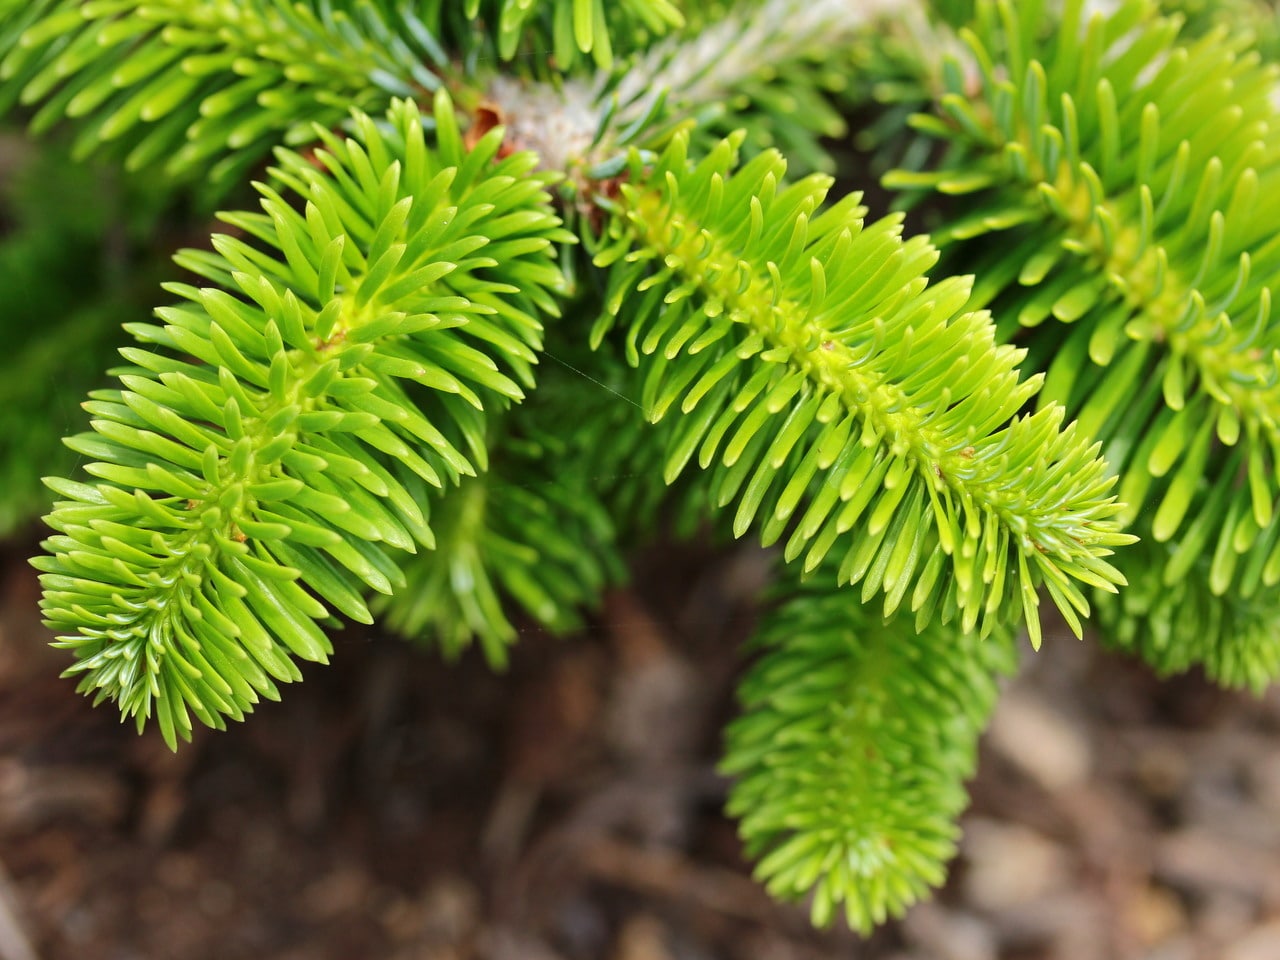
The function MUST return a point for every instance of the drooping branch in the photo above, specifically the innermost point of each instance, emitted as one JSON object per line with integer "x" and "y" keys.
{"x": 252, "y": 467}
{"x": 851, "y": 755}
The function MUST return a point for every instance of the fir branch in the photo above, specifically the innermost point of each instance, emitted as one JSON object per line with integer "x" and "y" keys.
{"x": 239, "y": 489}
{"x": 205, "y": 89}
{"x": 789, "y": 340}
{"x": 1134, "y": 181}
{"x": 1145, "y": 229}
{"x": 853, "y": 750}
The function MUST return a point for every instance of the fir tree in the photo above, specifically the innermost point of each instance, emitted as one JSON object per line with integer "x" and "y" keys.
{"x": 379, "y": 392}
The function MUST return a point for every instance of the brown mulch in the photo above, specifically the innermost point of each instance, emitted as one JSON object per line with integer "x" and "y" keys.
{"x": 396, "y": 806}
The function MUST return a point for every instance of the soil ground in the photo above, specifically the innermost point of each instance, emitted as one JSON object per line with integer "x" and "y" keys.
{"x": 396, "y": 806}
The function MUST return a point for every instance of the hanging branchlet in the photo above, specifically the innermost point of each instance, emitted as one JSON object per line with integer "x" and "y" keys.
{"x": 853, "y": 749}
{"x": 1134, "y": 181}
{"x": 842, "y": 402}
{"x": 252, "y": 468}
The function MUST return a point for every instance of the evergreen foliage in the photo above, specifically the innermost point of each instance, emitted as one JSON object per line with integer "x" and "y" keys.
{"x": 809, "y": 392}
{"x": 531, "y": 279}
{"x": 267, "y": 441}
{"x": 1132, "y": 183}
{"x": 851, "y": 755}
{"x": 204, "y": 90}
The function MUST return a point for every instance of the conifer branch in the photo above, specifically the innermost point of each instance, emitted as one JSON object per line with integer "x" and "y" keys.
{"x": 1134, "y": 178}
{"x": 789, "y": 341}
{"x": 330, "y": 421}
{"x": 1141, "y": 226}
{"x": 207, "y": 88}
{"x": 351, "y": 348}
